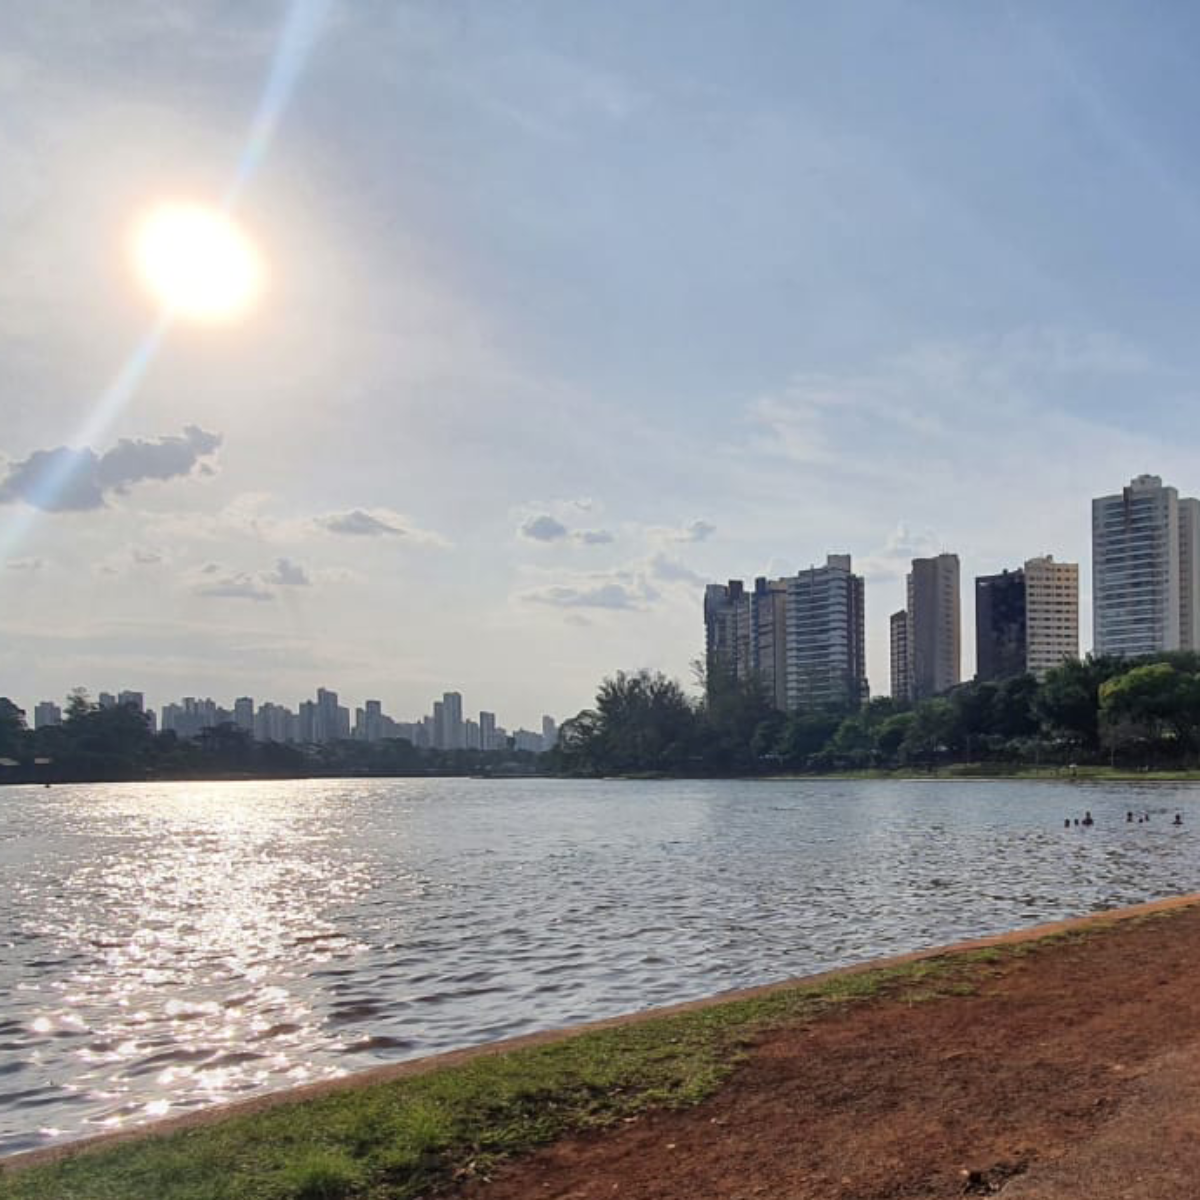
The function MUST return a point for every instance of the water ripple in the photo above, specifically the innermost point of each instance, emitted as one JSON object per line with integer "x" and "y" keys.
{"x": 168, "y": 946}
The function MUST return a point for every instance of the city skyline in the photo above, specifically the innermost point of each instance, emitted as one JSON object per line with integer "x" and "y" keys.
{"x": 564, "y": 314}
{"x": 315, "y": 721}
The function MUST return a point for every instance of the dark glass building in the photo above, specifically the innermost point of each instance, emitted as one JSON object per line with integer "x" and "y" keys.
{"x": 1000, "y": 625}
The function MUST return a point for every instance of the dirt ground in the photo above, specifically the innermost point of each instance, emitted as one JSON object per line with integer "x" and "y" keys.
{"x": 1072, "y": 1072}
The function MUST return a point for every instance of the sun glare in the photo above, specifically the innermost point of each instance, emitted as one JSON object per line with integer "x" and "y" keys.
{"x": 197, "y": 263}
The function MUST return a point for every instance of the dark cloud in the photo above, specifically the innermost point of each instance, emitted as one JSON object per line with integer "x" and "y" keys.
{"x": 288, "y": 574}
{"x": 236, "y": 586}
{"x": 543, "y": 528}
{"x": 671, "y": 570}
{"x": 600, "y": 595}
{"x": 593, "y": 537}
{"x": 378, "y": 523}
{"x": 69, "y": 480}
{"x": 696, "y": 531}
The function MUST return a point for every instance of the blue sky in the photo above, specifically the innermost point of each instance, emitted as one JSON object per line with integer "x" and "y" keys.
{"x": 572, "y": 307}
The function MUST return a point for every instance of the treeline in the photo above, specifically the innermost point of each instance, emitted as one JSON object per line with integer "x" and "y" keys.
{"x": 1141, "y": 713}
{"x": 115, "y": 743}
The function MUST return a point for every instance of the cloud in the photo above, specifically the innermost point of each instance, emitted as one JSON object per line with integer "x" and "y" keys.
{"x": 78, "y": 480}
{"x": 600, "y": 595}
{"x": 288, "y": 574}
{"x": 377, "y": 522}
{"x": 693, "y": 531}
{"x": 593, "y": 537}
{"x": 671, "y": 570}
{"x": 696, "y": 531}
{"x": 144, "y": 557}
{"x": 236, "y": 586}
{"x": 543, "y": 528}
{"x": 25, "y": 564}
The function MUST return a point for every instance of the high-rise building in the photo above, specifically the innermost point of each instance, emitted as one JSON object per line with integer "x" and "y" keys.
{"x": 136, "y": 699}
{"x": 901, "y": 667}
{"x": 1051, "y": 613}
{"x": 487, "y": 731}
{"x": 440, "y": 739}
{"x": 768, "y": 619}
{"x": 106, "y": 700}
{"x": 453, "y": 720}
{"x": 802, "y": 637}
{"x": 934, "y": 629}
{"x": 825, "y": 622}
{"x": 46, "y": 713}
{"x": 1000, "y": 624}
{"x": 1142, "y": 599}
{"x": 1189, "y": 573}
{"x": 243, "y": 714}
{"x": 727, "y": 649}
{"x": 549, "y": 733}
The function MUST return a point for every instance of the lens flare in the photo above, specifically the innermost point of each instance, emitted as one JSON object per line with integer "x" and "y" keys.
{"x": 197, "y": 262}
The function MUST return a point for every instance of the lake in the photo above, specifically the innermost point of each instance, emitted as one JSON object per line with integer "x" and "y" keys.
{"x": 168, "y": 946}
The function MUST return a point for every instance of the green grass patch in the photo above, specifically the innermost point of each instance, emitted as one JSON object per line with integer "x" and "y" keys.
{"x": 406, "y": 1138}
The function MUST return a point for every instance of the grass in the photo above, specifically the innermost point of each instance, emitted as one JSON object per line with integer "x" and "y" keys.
{"x": 407, "y": 1138}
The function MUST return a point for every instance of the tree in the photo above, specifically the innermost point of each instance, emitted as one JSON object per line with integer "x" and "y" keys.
{"x": 1068, "y": 700}
{"x": 12, "y": 730}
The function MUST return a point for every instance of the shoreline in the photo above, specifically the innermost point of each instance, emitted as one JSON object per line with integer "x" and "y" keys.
{"x": 418, "y": 1068}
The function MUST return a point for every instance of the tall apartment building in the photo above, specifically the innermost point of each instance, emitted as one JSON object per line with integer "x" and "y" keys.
{"x": 452, "y": 718}
{"x": 1051, "y": 613}
{"x": 243, "y": 714}
{"x": 802, "y": 636}
{"x": 934, "y": 627}
{"x": 46, "y": 713}
{"x": 901, "y": 667}
{"x": 1026, "y": 620}
{"x": 1145, "y": 548}
{"x": 1000, "y": 625}
{"x": 487, "y": 730}
{"x": 826, "y": 636}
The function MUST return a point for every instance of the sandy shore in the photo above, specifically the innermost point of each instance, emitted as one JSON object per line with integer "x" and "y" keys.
{"x": 1072, "y": 1068}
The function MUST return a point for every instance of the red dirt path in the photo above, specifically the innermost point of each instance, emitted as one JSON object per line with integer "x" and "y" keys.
{"x": 1073, "y": 1072}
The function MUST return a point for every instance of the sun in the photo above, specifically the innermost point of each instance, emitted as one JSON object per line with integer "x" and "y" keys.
{"x": 197, "y": 262}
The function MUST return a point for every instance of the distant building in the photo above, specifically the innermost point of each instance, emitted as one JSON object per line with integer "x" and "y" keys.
{"x": 1051, "y": 613}
{"x": 135, "y": 699}
{"x": 934, "y": 630}
{"x": 452, "y": 719}
{"x": 487, "y": 731}
{"x": 243, "y": 714}
{"x": 1026, "y": 620}
{"x": 825, "y": 636}
{"x": 1145, "y": 553}
{"x": 549, "y": 733}
{"x": 801, "y": 637}
{"x": 106, "y": 700}
{"x": 45, "y": 714}
{"x": 726, "y": 630}
{"x": 1000, "y": 625}
{"x": 901, "y": 667}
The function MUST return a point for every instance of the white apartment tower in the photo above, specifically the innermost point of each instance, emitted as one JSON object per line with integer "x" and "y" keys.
{"x": 825, "y": 643}
{"x": 1051, "y": 613}
{"x": 1145, "y": 564}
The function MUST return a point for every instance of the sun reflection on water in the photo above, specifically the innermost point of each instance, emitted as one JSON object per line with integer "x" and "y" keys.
{"x": 159, "y": 942}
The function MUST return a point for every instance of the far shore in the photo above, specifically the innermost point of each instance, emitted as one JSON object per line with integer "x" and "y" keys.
{"x": 950, "y": 772}
{"x": 686, "y": 1100}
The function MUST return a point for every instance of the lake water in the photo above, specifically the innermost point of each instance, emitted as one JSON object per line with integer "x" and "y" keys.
{"x": 167, "y": 946}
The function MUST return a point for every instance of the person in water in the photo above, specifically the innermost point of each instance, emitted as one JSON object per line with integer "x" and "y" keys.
{"x": 1087, "y": 818}
{"x": 1178, "y": 819}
